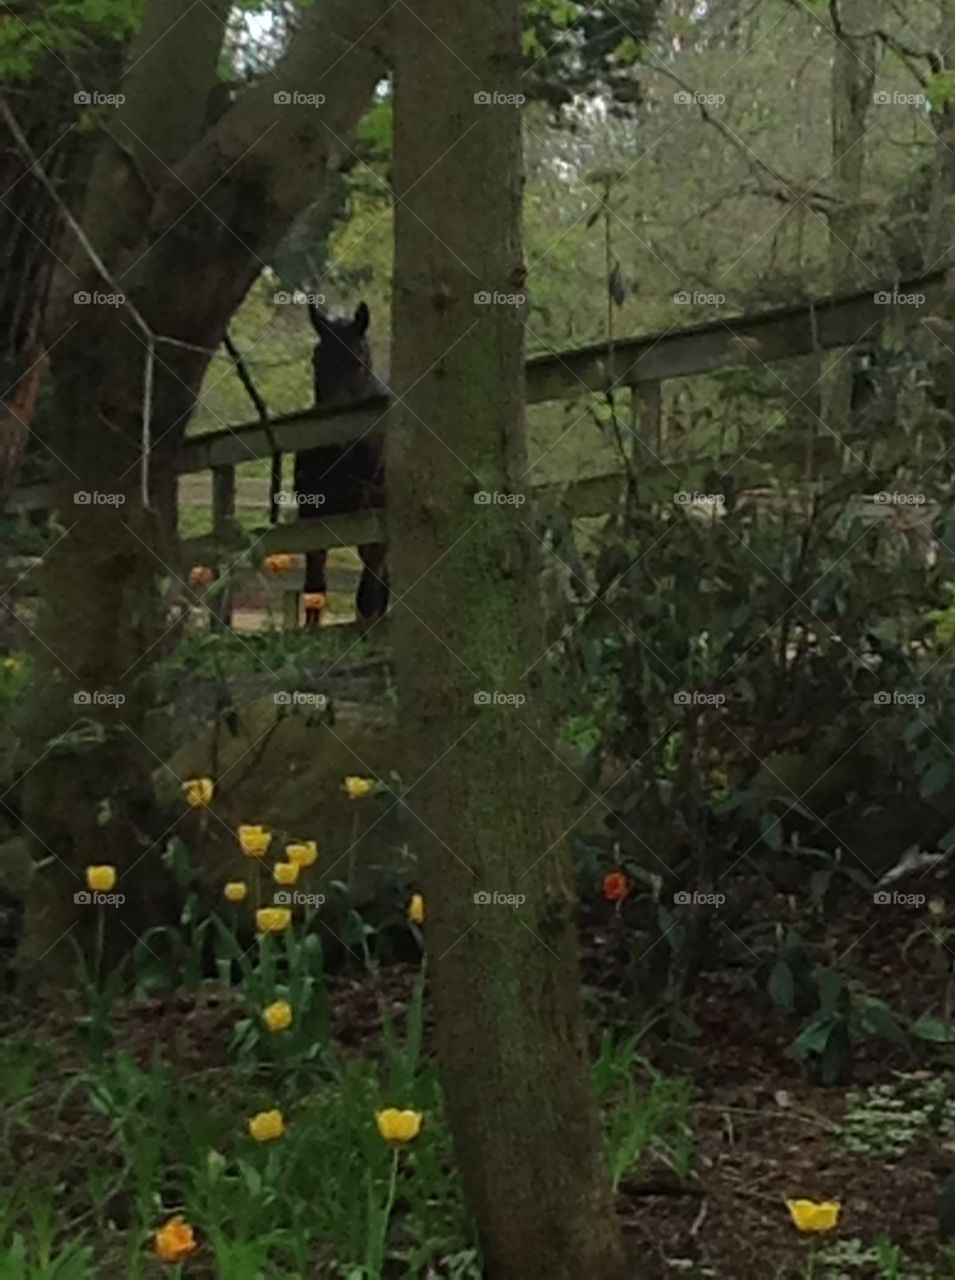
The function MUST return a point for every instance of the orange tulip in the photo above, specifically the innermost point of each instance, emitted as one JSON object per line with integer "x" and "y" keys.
{"x": 278, "y": 563}
{"x": 175, "y": 1241}
{"x": 615, "y": 886}
{"x": 200, "y": 575}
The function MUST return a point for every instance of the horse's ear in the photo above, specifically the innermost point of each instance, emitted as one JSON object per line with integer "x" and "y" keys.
{"x": 362, "y": 317}
{"x": 319, "y": 323}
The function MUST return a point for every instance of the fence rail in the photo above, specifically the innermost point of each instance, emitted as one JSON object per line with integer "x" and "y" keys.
{"x": 641, "y": 364}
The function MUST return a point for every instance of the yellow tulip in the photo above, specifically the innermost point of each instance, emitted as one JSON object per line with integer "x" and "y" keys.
{"x": 175, "y": 1241}
{"x": 254, "y": 841}
{"x": 285, "y": 872}
{"x": 398, "y": 1126}
{"x": 12, "y": 664}
{"x": 357, "y": 788}
{"x": 304, "y": 854}
{"x": 100, "y": 879}
{"x": 279, "y": 562}
{"x": 416, "y": 909}
{"x": 235, "y": 891}
{"x": 267, "y": 1126}
{"x": 278, "y": 1015}
{"x": 272, "y": 919}
{"x": 198, "y": 792}
{"x": 814, "y": 1216}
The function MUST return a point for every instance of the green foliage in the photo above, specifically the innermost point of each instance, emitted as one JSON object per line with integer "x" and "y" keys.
{"x": 64, "y": 27}
{"x": 641, "y": 1117}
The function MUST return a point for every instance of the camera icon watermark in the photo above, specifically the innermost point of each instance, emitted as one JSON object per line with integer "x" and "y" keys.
{"x": 882, "y": 898}
{"x": 83, "y": 298}
{"x": 483, "y": 898}
{"x": 697, "y": 698}
{"x": 292, "y": 98}
{"x": 884, "y": 499}
{"x": 298, "y": 299}
{"x": 885, "y": 99}
{"x": 292, "y": 498}
{"x": 87, "y": 498}
{"x": 898, "y": 698}
{"x": 298, "y": 698}
{"x": 495, "y": 498}
{"x": 292, "y": 898}
{"x": 495, "y": 698}
{"x": 683, "y": 98}
{"x": 485, "y": 298}
{"x": 92, "y": 98}
{"x": 684, "y": 297}
{"x": 885, "y": 299}
{"x": 485, "y": 98}
{"x": 92, "y": 898}
{"x": 684, "y": 499}
{"x": 97, "y": 698}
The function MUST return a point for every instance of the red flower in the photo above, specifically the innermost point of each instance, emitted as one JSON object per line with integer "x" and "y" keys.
{"x": 615, "y": 886}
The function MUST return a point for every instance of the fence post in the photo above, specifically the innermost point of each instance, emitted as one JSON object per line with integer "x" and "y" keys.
{"x": 223, "y": 528}
{"x": 646, "y": 421}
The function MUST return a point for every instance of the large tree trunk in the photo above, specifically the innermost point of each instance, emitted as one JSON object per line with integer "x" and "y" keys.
{"x": 853, "y": 79}
{"x": 506, "y": 979}
{"x": 182, "y": 221}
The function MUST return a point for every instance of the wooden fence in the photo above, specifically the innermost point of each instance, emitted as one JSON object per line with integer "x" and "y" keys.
{"x": 642, "y": 365}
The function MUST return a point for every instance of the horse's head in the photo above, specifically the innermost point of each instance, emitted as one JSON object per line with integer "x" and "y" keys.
{"x": 342, "y": 358}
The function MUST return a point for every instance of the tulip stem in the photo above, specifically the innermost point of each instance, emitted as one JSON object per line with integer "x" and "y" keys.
{"x": 350, "y": 873}
{"x": 379, "y": 1245}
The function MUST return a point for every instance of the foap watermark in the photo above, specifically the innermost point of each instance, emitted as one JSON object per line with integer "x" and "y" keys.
{"x": 684, "y": 499}
{"x": 687, "y": 899}
{"x": 485, "y": 98}
{"x": 298, "y": 698}
{"x": 88, "y": 498}
{"x": 495, "y": 698}
{"x": 684, "y": 298}
{"x": 484, "y": 898}
{"x": 292, "y": 898}
{"x": 93, "y": 98}
{"x": 882, "y": 898}
{"x": 487, "y": 298}
{"x": 697, "y": 698}
{"x": 97, "y": 698}
{"x": 83, "y": 298}
{"x": 896, "y": 698}
{"x": 93, "y": 898}
{"x": 298, "y": 299}
{"x": 686, "y": 99}
{"x": 893, "y": 299}
{"x": 292, "y": 98}
{"x": 497, "y": 499}
{"x": 291, "y": 498}
{"x": 885, "y": 99}
{"x": 885, "y": 499}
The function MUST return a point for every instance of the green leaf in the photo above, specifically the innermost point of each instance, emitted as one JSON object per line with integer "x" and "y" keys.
{"x": 772, "y": 830}
{"x": 940, "y": 89}
{"x": 935, "y": 778}
{"x": 781, "y": 986}
{"x": 812, "y": 1038}
{"x": 934, "y": 1030}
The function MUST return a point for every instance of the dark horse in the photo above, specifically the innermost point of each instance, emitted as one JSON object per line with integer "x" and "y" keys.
{"x": 334, "y": 480}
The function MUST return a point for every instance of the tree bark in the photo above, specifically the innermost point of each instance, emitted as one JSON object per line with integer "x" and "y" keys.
{"x": 180, "y": 223}
{"x": 506, "y": 978}
{"x": 853, "y": 79}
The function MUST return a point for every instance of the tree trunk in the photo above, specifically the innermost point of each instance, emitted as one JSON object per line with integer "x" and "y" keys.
{"x": 853, "y": 79}
{"x": 510, "y": 1027}
{"x": 183, "y": 264}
